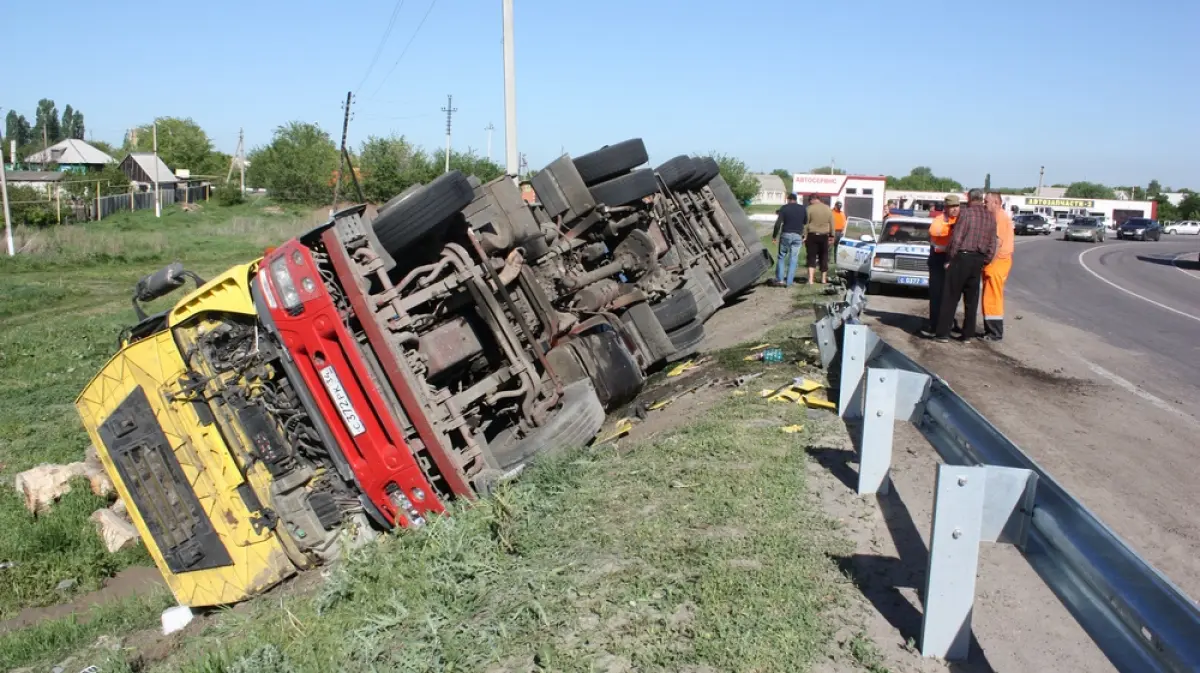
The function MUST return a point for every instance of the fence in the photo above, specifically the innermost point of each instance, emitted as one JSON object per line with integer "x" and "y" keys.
{"x": 85, "y": 209}
{"x": 988, "y": 490}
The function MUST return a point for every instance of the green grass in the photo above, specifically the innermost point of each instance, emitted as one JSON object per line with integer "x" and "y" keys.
{"x": 697, "y": 549}
{"x": 51, "y": 639}
{"x": 63, "y": 301}
{"x": 761, "y": 209}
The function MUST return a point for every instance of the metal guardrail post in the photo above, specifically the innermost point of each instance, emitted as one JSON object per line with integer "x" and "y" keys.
{"x": 889, "y": 394}
{"x": 859, "y": 344}
{"x": 972, "y": 505}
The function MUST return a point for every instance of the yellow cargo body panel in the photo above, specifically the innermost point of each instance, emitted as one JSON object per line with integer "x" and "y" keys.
{"x": 186, "y": 495}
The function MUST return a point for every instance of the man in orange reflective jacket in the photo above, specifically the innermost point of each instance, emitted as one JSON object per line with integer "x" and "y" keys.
{"x": 995, "y": 274}
{"x": 939, "y": 238}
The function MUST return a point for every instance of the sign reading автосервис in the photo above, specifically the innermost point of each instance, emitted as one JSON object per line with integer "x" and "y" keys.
{"x": 1060, "y": 203}
{"x": 804, "y": 183}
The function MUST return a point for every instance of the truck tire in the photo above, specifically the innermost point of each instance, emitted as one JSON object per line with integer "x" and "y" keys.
{"x": 677, "y": 172}
{"x": 706, "y": 170}
{"x": 676, "y": 309}
{"x": 626, "y": 189}
{"x": 708, "y": 298}
{"x": 422, "y": 212}
{"x": 686, "y": 340}
{"x": 744, "y": 274}
{"x": 576, "y": 423}
{"x": 611, "y": 160}
{"x": 640, "y": 318}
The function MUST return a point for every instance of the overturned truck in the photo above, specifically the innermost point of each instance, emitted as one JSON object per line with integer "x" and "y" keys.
{"x": 361, "y": 376}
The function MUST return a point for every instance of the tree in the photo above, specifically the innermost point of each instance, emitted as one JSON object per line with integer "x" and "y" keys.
{"x": 741, "y": 181}
{"x": 1154, "y": 189}
{"x": 181, "y": 143}
{"x": 390, "y": 165}
{"x": 787, "y": 177}
{"x": 987, "y": 182}
{"x": 468, "y": 163}
{"x": 922, "y": 179}
{"x": 827, "y": 170}
{"x": 68, "y": 122}
{"x": 46, "y": 120}
{"x": 30, "y": 207}
{"x": 107, "y": 148}
{"x": 297, "y": 165}
{"x": 16, "y": 127}
{"x": 1167, "y": 212}
{"x": 1189, "y": 207}
{"x": 1089, "y": 190}
{"x": 77, "y": 127}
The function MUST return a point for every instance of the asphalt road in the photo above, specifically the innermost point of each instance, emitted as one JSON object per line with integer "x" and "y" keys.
{"x": 1141, "y": 297}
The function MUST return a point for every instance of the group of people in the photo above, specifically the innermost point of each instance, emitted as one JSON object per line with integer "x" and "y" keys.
{"x": 816, "y": 227}
{"x": 971, "y": 247}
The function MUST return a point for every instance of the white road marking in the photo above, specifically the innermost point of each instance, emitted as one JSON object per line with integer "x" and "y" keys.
{"x": 1133, "y": 388}
{"x": 1131, "y": 292}
{"x": 1175, "y": 261}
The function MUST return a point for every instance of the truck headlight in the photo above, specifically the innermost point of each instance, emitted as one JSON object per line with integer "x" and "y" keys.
{"x": 285, "y": 286}
{"x": 884, "y": 263}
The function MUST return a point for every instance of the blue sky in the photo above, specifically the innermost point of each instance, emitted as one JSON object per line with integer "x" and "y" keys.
{"x": 1094, "y": 90}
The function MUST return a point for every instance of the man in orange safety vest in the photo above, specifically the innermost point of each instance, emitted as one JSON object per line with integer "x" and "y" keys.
{"x": 995, "y": 274}
{"x": 939, "y": 238}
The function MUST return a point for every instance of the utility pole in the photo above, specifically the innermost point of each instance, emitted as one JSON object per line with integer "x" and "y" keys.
{"x": 1041, "y": 174}
{"x": 489, "y": 128}
{"x": 8, "y": 237}
{"x": 511, "y": 160}
{"x": 342, "y": 159}
{"x": 449, "y": 110}
{"x": 157, "y": 193}
{"x": 242, "y": 161}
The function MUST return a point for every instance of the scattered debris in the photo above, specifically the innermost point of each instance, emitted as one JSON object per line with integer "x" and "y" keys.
{"x": 620, "y": 429}
{"x": 43, "y": 485}
{"x": 793, "y": 429}
{"x": 190, "y": 207}
{"x": 769, "y": 355}
{"x": 759, "y": 347}
{"x": 682, "y": 367}
{"x": 66, "y": 585}
{"x": 805, "y": 385}
{"x": 818, "y": 403}
{"x": 116, "y": 532}
{"x": 7, "y": 564}
{"x": 744, "y": 379}
{"x": 175, "y": 619}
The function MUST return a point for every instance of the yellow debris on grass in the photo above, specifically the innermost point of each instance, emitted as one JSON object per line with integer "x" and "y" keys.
{"x": 818, "y": 403}
{"x": 793, "y": 429}
{"x": 619, "y": 429}
{"x": 682, "y": 367}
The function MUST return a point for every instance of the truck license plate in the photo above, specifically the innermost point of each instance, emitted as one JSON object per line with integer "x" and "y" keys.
{"x": 912, "y": 280}
{"x": 330, "y": 378}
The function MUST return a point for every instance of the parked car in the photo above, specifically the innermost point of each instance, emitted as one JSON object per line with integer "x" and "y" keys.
{"x": 899, "y": 257}
{"x": 1187, "y": 227}
{"x": 361, "y": 376}
{"x": 1086, "y": 229}
{"x": 1026, "y": 224}
{"x": 1141, "y": 229}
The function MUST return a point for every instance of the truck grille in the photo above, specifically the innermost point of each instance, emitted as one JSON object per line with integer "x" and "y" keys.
{"x": 911, "y": 263}
{"x": 161, "y": 493}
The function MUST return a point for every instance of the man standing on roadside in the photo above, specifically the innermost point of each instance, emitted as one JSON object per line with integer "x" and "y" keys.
{"x": 789, "y": 234}
{"x": 839, "y": 223}
{"x": 816, "y": 242}
{"x": 995, "y": 274}
{"x": 939, "y": 239}
{"x": 973, "y": 244}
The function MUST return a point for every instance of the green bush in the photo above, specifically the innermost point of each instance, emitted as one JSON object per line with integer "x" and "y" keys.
{"x": 228, "y": 195}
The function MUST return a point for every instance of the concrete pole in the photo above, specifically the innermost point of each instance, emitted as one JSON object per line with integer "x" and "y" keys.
{"x": 8, "y": 235}
{"x": 489, "y": 128}
{"x": 511, "y": 158}
{"x": 449, "y": 110}
{"x": 157, "y": 195}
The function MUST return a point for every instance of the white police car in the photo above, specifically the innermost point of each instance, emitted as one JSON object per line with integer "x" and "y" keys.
{"x": 900, "y": 256}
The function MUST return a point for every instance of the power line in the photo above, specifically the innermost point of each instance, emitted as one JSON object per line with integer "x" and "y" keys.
{"x": 449, "y": 110}
{"x": 406, "y": 46}
{"x": 382, "y": 41}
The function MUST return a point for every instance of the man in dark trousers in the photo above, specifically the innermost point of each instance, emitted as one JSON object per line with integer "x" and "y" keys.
{"x": 973, "y": 244}
{"x": 789, "y": 234}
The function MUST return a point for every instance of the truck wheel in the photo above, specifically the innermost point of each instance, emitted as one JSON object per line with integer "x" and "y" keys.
{"x": 744, "y": 274}
{"x": 611, "y": 160}
{"x": 706, "y": 170}
{"x": 677, "y": 172}
{"x": 708, "y": 298}
{"x": 626, "y": 189}
{"x": 676, "y": 309}
{"x": 575, "y": 424}
{"x": 686, "y": 340}
{"x": 422, "y": 212}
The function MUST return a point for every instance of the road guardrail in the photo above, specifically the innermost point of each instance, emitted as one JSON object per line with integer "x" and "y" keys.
{"x": 988, "y": 490}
